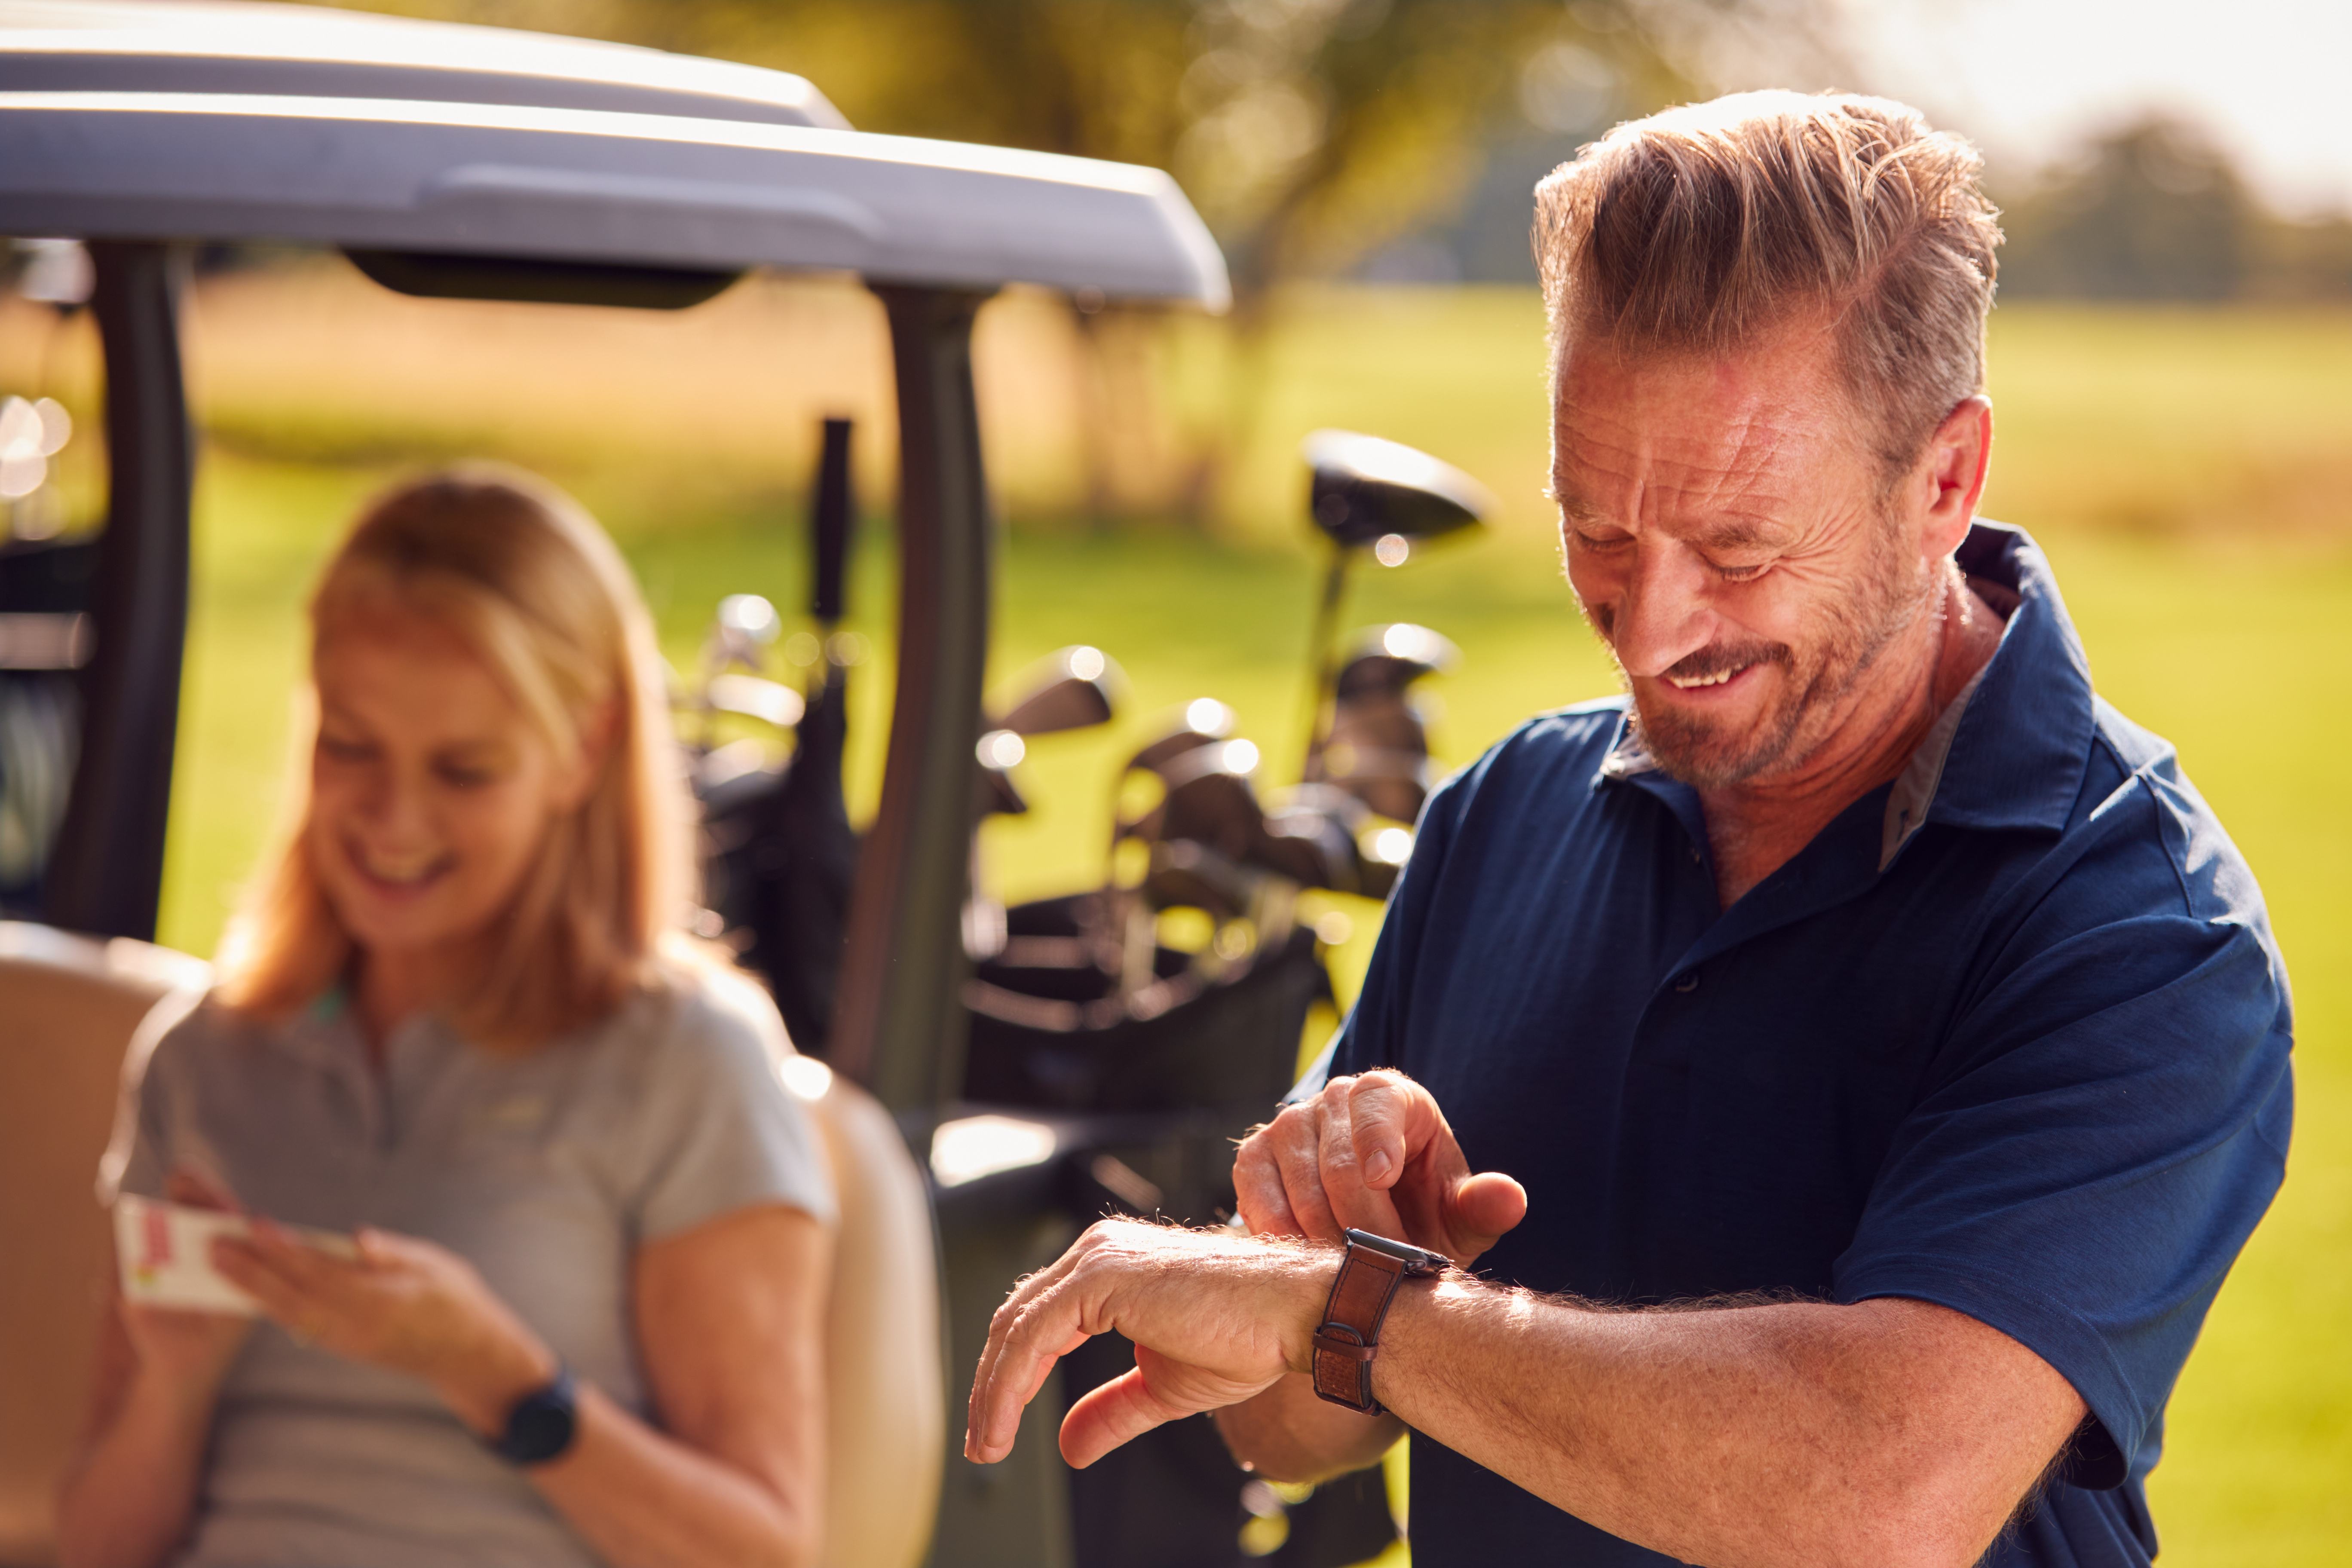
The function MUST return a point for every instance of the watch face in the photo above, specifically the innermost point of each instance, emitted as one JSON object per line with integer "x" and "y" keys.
{"x": 1415, "y": 1258}
{"x": 542, "y": 1429}
{"x": 540, "y": 1425}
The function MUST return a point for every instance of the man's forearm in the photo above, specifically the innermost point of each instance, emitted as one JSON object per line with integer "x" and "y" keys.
{"x": 1287, "y": 1434}
{"x": 1886, "y": 1433}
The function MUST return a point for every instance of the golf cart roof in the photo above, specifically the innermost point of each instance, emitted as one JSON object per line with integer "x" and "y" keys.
{"x": 110, "y": 45}
{"x": 128, "y": 121}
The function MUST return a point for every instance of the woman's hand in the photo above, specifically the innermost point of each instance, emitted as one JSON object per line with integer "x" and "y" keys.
{"x": 127, "y": 1494}
{"x": 186, "y": 1354}
{"x": 402, "y": 1304}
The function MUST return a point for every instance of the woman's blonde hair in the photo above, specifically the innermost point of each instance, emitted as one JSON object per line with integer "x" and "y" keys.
{"x": 526, "y": 581}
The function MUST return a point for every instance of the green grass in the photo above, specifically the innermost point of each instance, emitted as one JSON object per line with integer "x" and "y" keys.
{"x": 2185, "y": 470}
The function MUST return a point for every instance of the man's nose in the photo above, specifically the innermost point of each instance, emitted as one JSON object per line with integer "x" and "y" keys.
{"x": 1663, "y": 615}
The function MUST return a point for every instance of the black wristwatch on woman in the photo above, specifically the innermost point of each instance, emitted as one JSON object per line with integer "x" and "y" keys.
{"x": 542, "y": 1423}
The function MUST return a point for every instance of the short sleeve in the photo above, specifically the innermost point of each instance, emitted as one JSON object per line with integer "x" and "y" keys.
{"x": 719, "y": 1131}
{"x": 2110, "y": 1123}
{"x": 144, "y": 1148}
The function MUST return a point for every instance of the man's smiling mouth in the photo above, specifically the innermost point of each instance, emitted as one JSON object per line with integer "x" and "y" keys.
{"x": 1715, "y": 678}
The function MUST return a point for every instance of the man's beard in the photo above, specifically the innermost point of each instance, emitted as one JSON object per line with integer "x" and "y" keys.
{"x": 1707, "y": 754}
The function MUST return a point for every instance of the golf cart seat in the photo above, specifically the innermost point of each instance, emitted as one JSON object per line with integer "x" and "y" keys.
{"x": 72, "y": 1005}
{"x": 885, "y": 1397}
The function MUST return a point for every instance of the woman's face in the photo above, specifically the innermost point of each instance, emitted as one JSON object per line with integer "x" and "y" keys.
{"x": 431, "y": 791}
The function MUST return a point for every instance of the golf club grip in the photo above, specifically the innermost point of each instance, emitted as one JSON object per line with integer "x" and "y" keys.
{"x": 831, "y": 517}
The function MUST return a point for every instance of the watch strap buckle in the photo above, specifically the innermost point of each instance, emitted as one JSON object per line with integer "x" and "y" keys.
{"x": 1348, "y": 1337}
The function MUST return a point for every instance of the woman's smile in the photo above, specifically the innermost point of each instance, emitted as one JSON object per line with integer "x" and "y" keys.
{"x": 399, "y": 873}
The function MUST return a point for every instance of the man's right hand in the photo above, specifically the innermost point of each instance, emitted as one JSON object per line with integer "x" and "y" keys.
{"x": 1372, "y": 1153}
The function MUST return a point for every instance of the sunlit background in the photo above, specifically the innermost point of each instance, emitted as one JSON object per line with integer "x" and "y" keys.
{"x": 2171, "y": 367}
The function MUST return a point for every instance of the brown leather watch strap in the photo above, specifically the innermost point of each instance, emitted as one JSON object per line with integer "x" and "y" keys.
{"x": 1350, "y": 1335}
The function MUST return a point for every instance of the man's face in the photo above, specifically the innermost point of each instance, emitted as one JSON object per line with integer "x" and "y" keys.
{"x": 1723, "y": 527}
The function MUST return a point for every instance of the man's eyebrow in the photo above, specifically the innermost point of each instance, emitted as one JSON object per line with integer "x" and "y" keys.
{"x": 1572, "y": 507}
{"x": 1736, "y": 533}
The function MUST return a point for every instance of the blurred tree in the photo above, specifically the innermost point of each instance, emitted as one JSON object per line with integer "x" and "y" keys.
{"x": 2156, "y": 210}
{"x": 2309, "y": 260}
{"x": 2153, "y": 211}
{"x": 1308, "y": 132}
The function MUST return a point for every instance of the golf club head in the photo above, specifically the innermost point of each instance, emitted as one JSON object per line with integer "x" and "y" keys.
{"x": 1381, "y": 854}
{"x": 1312, "y": 842}
{"x": 745, "y": 624}
{"x": 1208, "y": 800}
{"x": 1205, "y": 823}
{"x": 1073, "y": 690}
{"x": 1360, "y": 852}
{"x": 994, "y": 793}
{"x": 1390, "y": 658}
{"x": 755, "y": 697}
{"x": 1203, "y": 722}
{"x": 1378, "y": 750}
{"x": 1363, "y": 489}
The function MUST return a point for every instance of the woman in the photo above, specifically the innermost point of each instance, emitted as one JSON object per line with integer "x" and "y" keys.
{"x": 593, "y": 1230}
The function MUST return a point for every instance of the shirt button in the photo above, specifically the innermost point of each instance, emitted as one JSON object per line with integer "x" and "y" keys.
{"x": 1686, "y": 982}
{"x": 1698, "y": 856}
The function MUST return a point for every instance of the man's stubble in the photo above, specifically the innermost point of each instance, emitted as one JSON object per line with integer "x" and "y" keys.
{"x": 1894, "y": 591}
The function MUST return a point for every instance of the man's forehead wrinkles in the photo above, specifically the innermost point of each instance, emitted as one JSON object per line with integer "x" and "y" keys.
{"x": 1743, "y": 451}
{"x": 1737, "y": 507}
{"x": 1723, "y": 483}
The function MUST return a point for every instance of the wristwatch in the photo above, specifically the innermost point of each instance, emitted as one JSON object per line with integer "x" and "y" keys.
{"x": 542, "y": 1423}
{"x": 1369, "y": 1273}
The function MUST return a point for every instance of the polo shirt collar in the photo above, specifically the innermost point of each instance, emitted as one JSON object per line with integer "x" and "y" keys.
{"x": 2009, "y": 752}
{"x": 321, "y": 1034}
{"x": 2020, "y": 749}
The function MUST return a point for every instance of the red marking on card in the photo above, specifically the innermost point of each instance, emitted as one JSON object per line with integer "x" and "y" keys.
{"x": 159, "y": 1239}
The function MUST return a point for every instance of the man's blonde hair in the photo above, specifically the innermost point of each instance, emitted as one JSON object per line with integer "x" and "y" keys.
{"x": 1700, "y": 228}
{"x": 526, "y": 580}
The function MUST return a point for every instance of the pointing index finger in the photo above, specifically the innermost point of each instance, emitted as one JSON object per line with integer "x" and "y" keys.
{"x": 1001, "y": 1328}
{"x": 1396, "y": 1123}
{"x": 1044, "y": 1328}
{"x": 1354, "y": 1200}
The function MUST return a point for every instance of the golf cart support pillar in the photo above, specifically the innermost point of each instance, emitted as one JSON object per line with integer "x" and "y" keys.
{"x": 106, "y": 873}
{"x": 898, "y": 1022}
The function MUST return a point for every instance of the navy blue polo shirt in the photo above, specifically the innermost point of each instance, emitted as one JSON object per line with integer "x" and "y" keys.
{"x": 2009, "y": 1036}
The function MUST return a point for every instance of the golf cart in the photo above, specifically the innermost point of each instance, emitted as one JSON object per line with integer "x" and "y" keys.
{"x": 477, "y": 164}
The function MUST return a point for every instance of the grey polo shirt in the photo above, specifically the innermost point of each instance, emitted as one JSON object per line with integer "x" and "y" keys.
{"x": 547, "y": 1171}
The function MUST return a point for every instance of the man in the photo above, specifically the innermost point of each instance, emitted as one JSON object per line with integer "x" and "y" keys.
{"x": 1875, "y": 1050}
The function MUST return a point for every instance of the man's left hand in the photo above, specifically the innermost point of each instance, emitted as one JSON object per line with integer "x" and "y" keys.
{"x": 402, "y": 1304}
{"x": 1215, "y": 1318}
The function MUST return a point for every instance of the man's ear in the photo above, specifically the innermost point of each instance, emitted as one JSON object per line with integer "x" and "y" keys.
{"x": 1951, "y": 479}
